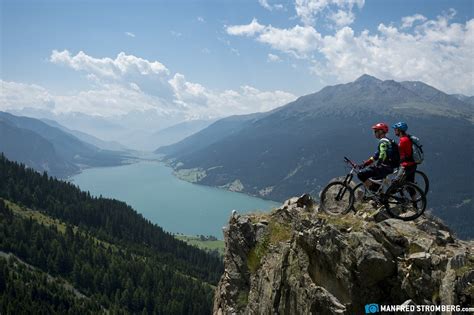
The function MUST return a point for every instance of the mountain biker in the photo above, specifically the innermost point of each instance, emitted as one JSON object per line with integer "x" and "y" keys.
{"x": 383, "y": 165}
{"x": 407, "y": 163}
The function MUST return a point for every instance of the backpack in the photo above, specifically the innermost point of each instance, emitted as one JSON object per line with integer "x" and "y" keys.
{"x": 393, "y": 154}
{"x": 417, "y": 149}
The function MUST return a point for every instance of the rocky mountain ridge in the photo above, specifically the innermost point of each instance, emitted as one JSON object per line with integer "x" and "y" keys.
{"x": 297, "y": 260}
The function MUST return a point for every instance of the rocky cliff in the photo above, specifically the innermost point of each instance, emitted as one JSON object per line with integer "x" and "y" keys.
{"x": 297, "y": 260}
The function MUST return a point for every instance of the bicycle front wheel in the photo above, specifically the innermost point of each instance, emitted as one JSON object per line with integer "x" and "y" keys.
{"x": 405, "y": 201}
{"x": 337, "y": 198}
{"x": 421, "y": 180}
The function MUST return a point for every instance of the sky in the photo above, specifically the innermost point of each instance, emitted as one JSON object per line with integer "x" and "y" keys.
{"x": 209, "y": 59}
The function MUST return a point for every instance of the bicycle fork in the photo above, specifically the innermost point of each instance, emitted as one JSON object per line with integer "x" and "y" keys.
{"x": 343, "y": 190}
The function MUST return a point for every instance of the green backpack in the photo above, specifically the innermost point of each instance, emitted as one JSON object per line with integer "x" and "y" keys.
{"x": 393, "y": 155}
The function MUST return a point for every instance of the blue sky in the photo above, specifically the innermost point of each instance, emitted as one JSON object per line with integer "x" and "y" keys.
{"x": 214, "y": 54}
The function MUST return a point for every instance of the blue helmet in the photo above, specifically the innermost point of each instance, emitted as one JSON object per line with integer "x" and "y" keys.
{"x": 401, "y": 125}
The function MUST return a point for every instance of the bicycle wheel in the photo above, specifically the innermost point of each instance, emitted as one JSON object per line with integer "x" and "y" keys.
{"x": 405, "y": 201}
{"x": 337, "y": 198}
{"x": 360, "y": 196}
{"x": 421, "y": 180}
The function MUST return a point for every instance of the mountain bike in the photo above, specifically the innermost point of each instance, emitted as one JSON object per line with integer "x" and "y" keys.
{"x": 421, "y": 180}
{"x": 402, "y": 200}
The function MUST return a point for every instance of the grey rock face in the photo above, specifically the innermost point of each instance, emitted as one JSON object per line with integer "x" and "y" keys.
{"x": 296, "y": 260}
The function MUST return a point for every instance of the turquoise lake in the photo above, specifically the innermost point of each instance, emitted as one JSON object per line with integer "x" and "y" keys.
{"x": 175, "y": 205}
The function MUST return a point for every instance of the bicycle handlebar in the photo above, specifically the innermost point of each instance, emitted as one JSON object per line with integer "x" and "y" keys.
{"x": 350, "y": 162}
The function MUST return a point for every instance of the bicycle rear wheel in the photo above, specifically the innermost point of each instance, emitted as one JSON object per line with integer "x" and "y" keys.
{"x": 421, "y": 180}
{"x": 337, "y": 198}
{"x": 405, "y": 201}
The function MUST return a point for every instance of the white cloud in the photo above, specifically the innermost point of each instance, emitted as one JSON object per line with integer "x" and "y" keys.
{"x": 299, "y": 40}
{"x": 201, "y": 19}
{"x": 129, "y": 34}
{"x": 265, "y": 4}
{"x": 107, "y": 67}
{"x": 130, "y": 84}
{"x": 188, "y": 93}
{"x": 437, "y": 51}
{"x": 176, "y": 34}
{"x": 342, "y": 18}
{"x": 110, "y": 100}
{"x": 408, "y": 21}
{"x": 204, "y": 102}
{"x": 107, "y": 100}
{"x": 270, "y": 7}
{"x": 19, "y": 95}
{"x": 248, "y": 30}
{"x": 273, "y": 58}
{"x": 135, "y": 86}
{"x": 309, "y": 10}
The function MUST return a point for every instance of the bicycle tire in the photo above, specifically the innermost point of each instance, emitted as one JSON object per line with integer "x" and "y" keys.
{"x": 329, "y": 202}
{"x": 397, "y": 194}
{"x": 424, "y": 184}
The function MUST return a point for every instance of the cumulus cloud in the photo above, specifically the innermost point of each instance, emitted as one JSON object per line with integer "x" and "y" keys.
{"x": 309, "y": 10}
{"x": 270, "y": 7}
{"x": 246, "y": 30}
{"x": 438, "y": 52}
{"x": 204, "y": 102}
{"x": 19, "y": 95}
{"x": 106, "y": 100}
{"x": 342, "y": 18}
{"x": 273, "y": 58}
{"x": 107, "y": 67}
{"x": 114, "y": 92}
{"x": 299, "y": 40}
{"x": 408, "y": 21}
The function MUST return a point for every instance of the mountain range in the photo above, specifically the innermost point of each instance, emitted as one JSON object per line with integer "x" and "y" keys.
{"x": 299, "y": 147}
{"x": 102, "y": 144}
{"x": 137, "y": 130}
{"x": 46, "y": 148}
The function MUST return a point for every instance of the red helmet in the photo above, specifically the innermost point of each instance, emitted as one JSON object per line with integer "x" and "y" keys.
{"x": 380, "y": 126}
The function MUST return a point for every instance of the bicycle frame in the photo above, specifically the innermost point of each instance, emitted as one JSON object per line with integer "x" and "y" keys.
{"x": 384, "y": 183}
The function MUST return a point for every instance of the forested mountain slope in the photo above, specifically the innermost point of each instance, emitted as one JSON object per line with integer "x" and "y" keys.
{"x": 108, "y": 252}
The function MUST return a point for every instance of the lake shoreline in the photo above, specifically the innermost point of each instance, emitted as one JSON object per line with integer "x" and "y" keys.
{"x": 178, "y": 206}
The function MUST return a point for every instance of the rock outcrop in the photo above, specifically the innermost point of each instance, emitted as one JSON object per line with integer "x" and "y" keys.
{"x": 296, "y": 260}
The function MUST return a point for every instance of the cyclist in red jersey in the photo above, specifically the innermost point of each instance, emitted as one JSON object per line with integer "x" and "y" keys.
{"x": 407, "y": 164}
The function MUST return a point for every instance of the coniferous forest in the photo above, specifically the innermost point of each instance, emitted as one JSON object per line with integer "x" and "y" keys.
{"x": 84, "y": 254}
